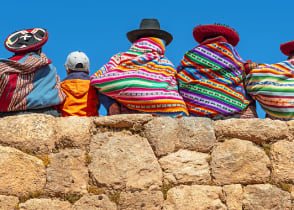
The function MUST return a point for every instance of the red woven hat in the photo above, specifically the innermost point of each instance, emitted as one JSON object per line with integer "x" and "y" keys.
{"x": 26, "y": 40}
{"x": 207, "y": 31}
{"x": 287, "y": 48}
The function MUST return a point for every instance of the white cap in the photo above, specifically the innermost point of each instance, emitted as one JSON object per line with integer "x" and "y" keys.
{"x": 77, "y": 61}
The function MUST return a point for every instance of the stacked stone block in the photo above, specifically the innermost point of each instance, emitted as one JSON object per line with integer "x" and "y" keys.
{"x": 144, "y": 162}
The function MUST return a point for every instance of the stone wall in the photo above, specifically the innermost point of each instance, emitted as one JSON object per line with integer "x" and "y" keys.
{"x": 141, "y": 162}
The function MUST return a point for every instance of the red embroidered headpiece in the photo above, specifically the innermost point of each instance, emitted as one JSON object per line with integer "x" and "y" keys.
{"x": 287, "y": 48}
{"x": 28, "y": 40}
{"x": 207, "y": 31}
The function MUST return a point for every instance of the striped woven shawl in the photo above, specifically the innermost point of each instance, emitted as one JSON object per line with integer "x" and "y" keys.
{"x": 142, "y": 79}
{"x": 273, "y": 87}
{"x": 29, "y": 83}
{"x": 211, "y": 80}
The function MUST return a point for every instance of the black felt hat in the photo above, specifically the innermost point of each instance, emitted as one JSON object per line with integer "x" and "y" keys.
{"x": 149, "y": 28}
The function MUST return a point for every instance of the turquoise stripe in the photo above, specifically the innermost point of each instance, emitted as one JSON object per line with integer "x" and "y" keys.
{"x": 285, "y": 110}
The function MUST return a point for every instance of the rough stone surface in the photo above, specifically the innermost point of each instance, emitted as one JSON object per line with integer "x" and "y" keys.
{"x": 282, "y": 154}
{"x": 193, "y": 133}
{"x": 45, "y": 204}
{"x": 123, "y": 121}
{"x": 20, "y": 173}
{"x": 256, "y": 130}
{"x": 116, "y": 156}
{"x": 30, "y": 132}
{"x": 239, "y": 162}
{"x": 74, "y": 132}
{"x": 233, "y": 196}
{"x": 291, "y": 127}
{"x": 8, "y": 202}
{"x": 145, "y": 200}
{"x": 186, "y": 167}
{"x": 194, "y": 197}
{"x": 265, "y": 196}
{"x": 93, "y": 202}
{"x": 121, "y": 161}
{"x": 196, "y": 134}
{"x": 67, "y": 172}
{"x": 161, "y": 130}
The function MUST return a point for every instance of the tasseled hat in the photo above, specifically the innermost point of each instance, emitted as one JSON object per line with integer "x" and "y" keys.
{"x": 27, "y": 40}
{"x": 149, "y": 28}
{"x": 201, "y": 32}
{"x": 287, "y": 48}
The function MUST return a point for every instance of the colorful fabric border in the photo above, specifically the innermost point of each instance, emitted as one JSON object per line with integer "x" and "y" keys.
{"x": 28, "y": 83}
{"x": 210, "y": 80}
{"x": 273, "y": 87}
{"x": 142, "y": 79}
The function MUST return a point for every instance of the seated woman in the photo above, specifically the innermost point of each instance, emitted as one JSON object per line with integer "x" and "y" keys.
{"x": 273, "y": 86}
{"x": 28, "y": 80}
{"x": 142, "y": 79}
{"x": 211, "y": 75}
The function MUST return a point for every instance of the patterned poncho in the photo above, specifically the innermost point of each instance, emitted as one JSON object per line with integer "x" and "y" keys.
{"x": 142, "y": 79}
{"x": 211, "y": 80}
{"x": 273, "y": 87}
{"x": 28, "y": 82}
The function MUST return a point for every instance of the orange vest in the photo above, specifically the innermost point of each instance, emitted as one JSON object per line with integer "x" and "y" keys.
{"x": 81, "y": 98}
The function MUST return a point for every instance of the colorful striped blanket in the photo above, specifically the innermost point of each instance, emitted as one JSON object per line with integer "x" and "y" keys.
{"x": 273, "y": 87}
{"x": 28, "y": 82}
{"x": 210, "y": 80}
{"x": 142, "y": 79}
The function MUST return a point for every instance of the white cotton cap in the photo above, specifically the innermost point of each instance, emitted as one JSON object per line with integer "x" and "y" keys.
{"x": 78, "y": 61}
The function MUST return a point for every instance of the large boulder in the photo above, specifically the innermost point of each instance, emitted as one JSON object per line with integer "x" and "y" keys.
{"x": 121, "y": 161}
{"x": 20, "y": 174}
{"x": 266, "y": 196}
{"x": 124, "y": 120}
{"x": 194, "y": 197}
{"x": 238, "y": 161}
{"x": 166, "y": 135}
{"x": 282, "y": 154}
{"x": 145, "y": 200}
{"x": 32, "y": 133}
{"x": 162, "y": 134}
{"x": 8, "y": 202}
{"x": 67, "y": 173}
{"x": 93, "y": 202}
{"x": 233, "y": 196}
{"x": 186, "y": 167}
{"x": 45, "y": 204}
{"x": 74, "y": 132}
{"x": 255, "y": 130}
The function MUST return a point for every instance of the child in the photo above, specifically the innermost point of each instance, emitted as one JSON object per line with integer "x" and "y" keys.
{"x": 81, "y": 98}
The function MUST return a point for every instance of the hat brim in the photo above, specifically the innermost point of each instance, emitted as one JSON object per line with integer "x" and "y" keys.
{"x": 30, "y": 48}
{"x": 287, "y": 48}
{"x": 207, "y": 31}
{"x": 140, "y": 33}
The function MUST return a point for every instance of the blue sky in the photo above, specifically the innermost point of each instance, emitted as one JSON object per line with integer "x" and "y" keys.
{"x": 99, "y": 28}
